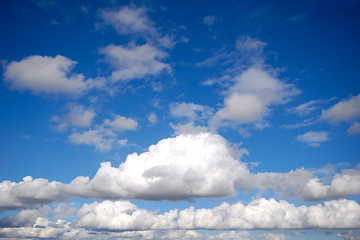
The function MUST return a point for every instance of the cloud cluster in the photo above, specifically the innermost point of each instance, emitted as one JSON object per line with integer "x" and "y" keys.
{"x": 183, "y": 167}
{"x": 124, "y": 219}
{"x": 49, "y": 75}
{"x": 258, "y": 214}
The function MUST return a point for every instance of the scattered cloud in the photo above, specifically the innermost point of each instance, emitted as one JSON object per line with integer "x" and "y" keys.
{"x": 253, "y": 92}
{"x": 346, "y": 110}
{"x": 209, "y": 20}
{"x": 190, "y": 110}
{"x": 313, "y": 138}
{"x": 49, "y": 75}
{"x": 104, "y": 137}
{"x": 133, "y": 21}
{"x": 152, "y": 118}
{"x": 77, "y": 116}
{"x": 354, "y": 129}
{"x": 135, "y": 61}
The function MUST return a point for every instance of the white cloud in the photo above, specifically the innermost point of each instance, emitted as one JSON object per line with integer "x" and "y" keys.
{"x": 152, "y": 118}
{"x": 183, "y": 167}
{"x": 247, "y": 43}
{"x": 49, "y": 75}
{"x": 78, "y": 116}
{"x": 134, "y": 61}
{"x": 190, "y": 110}
{"x": 124, "y": 219}
{"x": 249, "y": 99}
{"x": 209, "y": 20}
{"x": 104, "y": 136}
{"x": 313, "y": 138}
{"x": 258, "y": 214}
{"x": 346, "y": 110}
{"x": 354, "y": 129}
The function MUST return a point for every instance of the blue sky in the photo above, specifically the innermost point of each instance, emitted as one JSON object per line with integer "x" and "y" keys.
{"x": 180, "y": 120}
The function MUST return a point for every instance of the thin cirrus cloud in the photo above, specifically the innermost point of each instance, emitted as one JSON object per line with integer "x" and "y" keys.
{"x": 183, "y": 167}
{"x": 46, "y": 75}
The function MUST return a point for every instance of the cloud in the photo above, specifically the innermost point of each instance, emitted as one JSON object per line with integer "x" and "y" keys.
{"x": 253, "y": 92}
{"x": 78, "y": 116}
{"x": 152, "y": 118}
{"x": 124, "y": 219}
{"x": 135, "y": 61}
{"x": 180, "y": 168}
{"x": 354, "y": 129}
{"x": 104, "y": 137}
{"x": 190, "y": 110}
{"x": 188, "y": 128}
{"x": 129, "y": 20}
{"x": 346, "y": 110}
{"x": 258, "y": 214}
{"x": 306, "y": 108}
{"x": 133, "y": 21}
{"x": 209, "y": 20}
{"x": 46, "y": 75}
{"x": 313, "y": 138}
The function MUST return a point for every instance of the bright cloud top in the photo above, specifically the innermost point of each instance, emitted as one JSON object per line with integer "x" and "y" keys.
{"x": 183, "y": 167}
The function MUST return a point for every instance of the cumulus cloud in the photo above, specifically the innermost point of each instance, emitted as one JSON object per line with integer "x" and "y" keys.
{"x": 258, "y": 214}
{"x": 249, "y": 99}
{"x": 49, "y": 75}
{"x": 346, "y": 110}
{"x": 104, "y": 136}
{"x": 183, "y": 167}
{"x": 135, "y": 61}
{"x": 77, "y": 116}
{"x": 125, "y": 219}
{"x": 313, "y": 138}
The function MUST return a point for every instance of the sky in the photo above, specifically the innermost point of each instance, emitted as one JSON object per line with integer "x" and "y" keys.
{"x": 180, "y": 119}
